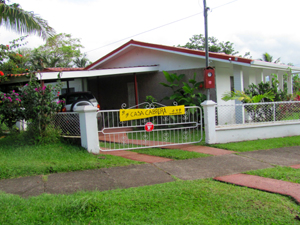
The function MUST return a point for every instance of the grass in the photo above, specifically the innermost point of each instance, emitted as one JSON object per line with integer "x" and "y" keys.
{"x": 17, "y": 158}
{"x": 3, "y": 127}
{"x": 174, "y": 135}
{"x": 176, "y": 154}
{"x": 279, "y": 173}
{"x": 292, "y": 116}
{"x": 181, "y": 202}
{"x": 261, "y": 144}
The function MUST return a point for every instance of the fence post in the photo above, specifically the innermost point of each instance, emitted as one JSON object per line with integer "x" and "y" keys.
{"x": 88, "y": 128}
{"x": 274, "y": 112}
{"x": 209, "y": 121}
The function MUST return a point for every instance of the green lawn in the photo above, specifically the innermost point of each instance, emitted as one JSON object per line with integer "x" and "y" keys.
{"x": 261, "y": 144}
{"x": 17, "y": 158}
{"x": 181, "y": 202}
{"x": 279, "y": 173}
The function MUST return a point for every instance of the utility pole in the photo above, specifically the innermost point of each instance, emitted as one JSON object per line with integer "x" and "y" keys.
{"x": 206, "y": 41}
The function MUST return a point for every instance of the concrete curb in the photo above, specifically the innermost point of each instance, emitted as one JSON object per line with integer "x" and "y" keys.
{"x": 264, "y": 184}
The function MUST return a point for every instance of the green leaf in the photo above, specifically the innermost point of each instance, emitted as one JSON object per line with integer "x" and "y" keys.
{"x": 192, "y": 81}
{"x": 166, "y": 85}
{"x": 180, "y": 77}
{"x": 174, "y": 96}
{"x": 187, "y": 89}
{"x": 168, "y": 77}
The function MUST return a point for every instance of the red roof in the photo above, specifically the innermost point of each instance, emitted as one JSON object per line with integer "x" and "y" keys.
{"x": 60, "y": 69}
{"x": 54, "y": 69}
{"x": 173, "y": 49}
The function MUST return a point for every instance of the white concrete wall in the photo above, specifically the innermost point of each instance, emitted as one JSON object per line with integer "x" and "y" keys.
{"x": 214, "y": 135}
{"x": 226, "y": 135}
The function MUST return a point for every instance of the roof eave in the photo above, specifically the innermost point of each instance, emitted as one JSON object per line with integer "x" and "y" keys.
{"x": 96, "y": 73}
{"x": 274, "y": 66}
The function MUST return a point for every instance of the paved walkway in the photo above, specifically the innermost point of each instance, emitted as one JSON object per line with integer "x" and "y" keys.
{"x": 154, "y": 159}
{"x": 224, "y": 167}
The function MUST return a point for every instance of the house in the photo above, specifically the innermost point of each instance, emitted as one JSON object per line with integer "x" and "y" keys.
{"x": 134, "y": 70}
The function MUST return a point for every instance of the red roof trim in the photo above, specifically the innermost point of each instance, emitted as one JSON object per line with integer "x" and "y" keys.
{"x": 176, "y": 49}
{"x": 60, "y": 69}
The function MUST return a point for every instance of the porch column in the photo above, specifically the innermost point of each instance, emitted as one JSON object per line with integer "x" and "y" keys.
{"x": 239, "y": 86}
{"x": 262, "y": 77}
{"x": 290, "y": 83}
{"x": 238, "y": 78}
{"x": 252, "y": 78}
{"x": 136, "y": 91}
{"x": 280, "y": 80}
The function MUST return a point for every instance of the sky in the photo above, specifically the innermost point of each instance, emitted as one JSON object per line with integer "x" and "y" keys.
{"x": 257, "y": 26}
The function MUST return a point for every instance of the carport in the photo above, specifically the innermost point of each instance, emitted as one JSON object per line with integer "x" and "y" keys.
{"x": 112, "y": 87}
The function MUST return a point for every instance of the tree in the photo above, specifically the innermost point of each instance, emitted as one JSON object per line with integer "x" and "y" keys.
{"x": 12, "y": 61}
{"x": 268, "y": 58}
{"x": 82, "y": 62}
{"x": 13, "y": 17}
{"x": 198, "y": 42}
{"x": 60, "y": 50}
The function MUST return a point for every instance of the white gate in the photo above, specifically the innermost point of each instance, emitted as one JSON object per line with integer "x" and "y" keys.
{"x": 154, "y": 131}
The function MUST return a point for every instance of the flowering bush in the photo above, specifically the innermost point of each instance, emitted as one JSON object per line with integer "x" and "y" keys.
{"x": 39, "y": 103}
{"x": 34, "y": 103}
{"x": 10, "y": 108}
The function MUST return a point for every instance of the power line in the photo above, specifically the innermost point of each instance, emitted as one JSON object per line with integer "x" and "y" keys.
{"x": 147, "y": 31}
{"x": 159, "y": 27}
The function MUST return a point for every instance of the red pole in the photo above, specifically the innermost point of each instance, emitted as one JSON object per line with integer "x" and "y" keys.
{"x": 136, "y": 91}
{"x": 43, "y": 84}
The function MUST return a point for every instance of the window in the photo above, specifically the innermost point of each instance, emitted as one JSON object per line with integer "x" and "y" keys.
{"x": 231, "y": 83}
{"x": 64, "y": 90}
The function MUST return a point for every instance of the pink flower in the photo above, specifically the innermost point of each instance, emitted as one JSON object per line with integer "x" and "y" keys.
{"x": 1, "y": 73}
{"x": 44, "y": 88}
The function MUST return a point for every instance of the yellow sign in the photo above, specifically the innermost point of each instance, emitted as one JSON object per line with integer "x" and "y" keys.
{"x": 134, "y": 114}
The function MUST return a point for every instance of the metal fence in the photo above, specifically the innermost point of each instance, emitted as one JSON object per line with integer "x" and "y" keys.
{"x": 257, "y": 113}
{"x": 68, "y": 123}
{"x": 168, "y": 130}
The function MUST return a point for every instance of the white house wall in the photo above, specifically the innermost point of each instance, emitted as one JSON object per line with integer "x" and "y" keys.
{"x": 167, "y": 61}
{"x": 76, "y": 84}
{"x": 223, "y": 74}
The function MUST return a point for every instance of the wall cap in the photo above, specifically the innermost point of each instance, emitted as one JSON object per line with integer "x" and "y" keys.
{"x": 87, "y": 108}
{"x": 208, "y": 103}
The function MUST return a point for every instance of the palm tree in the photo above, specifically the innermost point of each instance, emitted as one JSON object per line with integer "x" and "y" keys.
{"x": 15, "y": 18}
{"x": 268, "y": 58}
{"x": 81, "y": 62}
{"x": 242, "y": 96}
